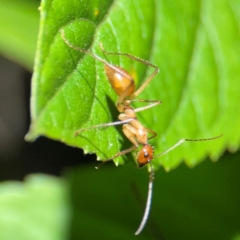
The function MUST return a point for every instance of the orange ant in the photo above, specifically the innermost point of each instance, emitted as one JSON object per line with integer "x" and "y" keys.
{"x": 124, "y": 86}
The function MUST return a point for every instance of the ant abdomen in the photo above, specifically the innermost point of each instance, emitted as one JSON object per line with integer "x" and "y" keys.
{"x": 120, "y": 80}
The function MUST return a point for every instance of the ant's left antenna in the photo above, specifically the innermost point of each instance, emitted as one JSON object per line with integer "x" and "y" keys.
{"x": 149, "y": 200}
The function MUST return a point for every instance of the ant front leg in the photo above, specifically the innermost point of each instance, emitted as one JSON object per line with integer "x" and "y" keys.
{"x": 122, "y": 153}
{"x": 117, "y": 155}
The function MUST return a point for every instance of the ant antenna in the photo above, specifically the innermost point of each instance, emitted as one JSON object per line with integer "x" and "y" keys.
{"x": 149, "y": 200}
{"x": 185, "y": 140}
{"x": 99, "y": 165}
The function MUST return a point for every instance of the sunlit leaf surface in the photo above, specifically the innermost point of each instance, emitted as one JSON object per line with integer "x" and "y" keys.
{"x": 194, "y": 43}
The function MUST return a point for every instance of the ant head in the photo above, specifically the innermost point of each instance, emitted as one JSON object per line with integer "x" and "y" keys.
{"x": 145, "y": 155}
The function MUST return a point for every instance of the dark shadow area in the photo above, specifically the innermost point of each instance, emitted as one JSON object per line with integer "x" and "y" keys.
{"x": 17, "y": 157}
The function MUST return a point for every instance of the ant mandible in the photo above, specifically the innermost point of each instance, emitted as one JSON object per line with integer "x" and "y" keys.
{"x": 124, "y": 86}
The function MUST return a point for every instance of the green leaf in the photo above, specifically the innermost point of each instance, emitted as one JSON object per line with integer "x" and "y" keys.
{"x": 19, "y": 26}
{"x": 36, "y": 209}
{"x": 199, "y": 203}
{"x": 196, "y": 46}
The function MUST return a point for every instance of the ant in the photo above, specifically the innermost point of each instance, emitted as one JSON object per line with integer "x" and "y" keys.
{"x": 124, "y": 86}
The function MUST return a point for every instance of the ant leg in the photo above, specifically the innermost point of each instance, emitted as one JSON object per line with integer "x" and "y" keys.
{"x": 154, "y": 134}
{"x": 143, "y": 100}
{"x": 147, "y": 81}
{"x": 122, "y": 153}
{"x": 105, "y": 125}
{"x": 185, "y": 140}
{"x": 117, "y": 155}
{"x": 153, "y": 103}
{"x": 130, "y": 134}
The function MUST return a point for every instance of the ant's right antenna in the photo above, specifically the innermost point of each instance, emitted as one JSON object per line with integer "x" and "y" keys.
{"x": 149, "y": 200}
